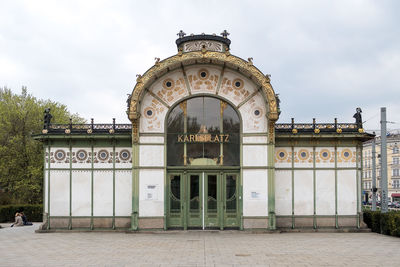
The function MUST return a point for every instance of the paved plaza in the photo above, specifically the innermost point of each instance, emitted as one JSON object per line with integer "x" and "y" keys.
{"x": 21, "y": 246}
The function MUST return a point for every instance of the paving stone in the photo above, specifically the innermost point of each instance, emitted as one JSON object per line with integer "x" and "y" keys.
{"x": 21, "y": 246}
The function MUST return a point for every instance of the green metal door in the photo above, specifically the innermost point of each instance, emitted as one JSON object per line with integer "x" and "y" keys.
{"x": 175, "y": 207}
{"x": 194, "y": 199}
{"x": 231, "y": 200}
{"x": 203, "y": 200}
{"x": 212, "y": 196}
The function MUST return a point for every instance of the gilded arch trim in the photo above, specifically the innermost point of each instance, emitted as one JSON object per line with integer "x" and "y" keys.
{"x": 176, "y": 61}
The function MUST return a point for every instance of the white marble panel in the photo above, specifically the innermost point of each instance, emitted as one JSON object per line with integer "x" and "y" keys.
{"x": 283, "y": 157}
{"x": 46, "y": 191}
{"x": 151, "y": 155}
{"x": 151, "y": 139}
{"x": 346, "y": 157}
{"x": 236, "y": 87}
{"x": 153, "y": 115}
{"x": 303, "y": 157}
{"x": 255, "y": 155}
{"x": 347, "y": 192}
{"x": 303, "y": 192}
{"x": 171, "y": 87}
{"x": 59, "y": 157}
{"x": 324, "y": 157}
{"x": 103, "y": 193}
{"x": 123, "y": 157}
{"x": 81, "y": 157}
{"x": 103, "y": 157}
{"x": 325, "y": 192}
{"x": 253, "y": 114}
{"x": 255, "y": 193}
{"x": 123, "y": 193}
{"x": 81, "y": 193}
{"x": 207, "y": 84}
{"x": 255, "y": 139}
{"x": 151, "y": 193}
{"x": 59, "y": 193}
{"x": 283, "y": 192}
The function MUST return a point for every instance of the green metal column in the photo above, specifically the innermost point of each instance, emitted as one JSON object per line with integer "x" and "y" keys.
{"x": 293, "y": 219}
{"x": 271, "y": 179}
{"x": 91, "y": 184}
{"x": 135, "y": 176}
{"x": 48, "y": 188}
{"x": 113, "y": 219}
{"x": 184, "y": 197}
{"x": 314, "y": 191}
{"x": 70, "y": 185}
{"x": 358, "y": 183}
{"x": 336, "y": 190}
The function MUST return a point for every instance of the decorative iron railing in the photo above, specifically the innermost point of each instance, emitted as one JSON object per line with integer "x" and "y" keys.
{"x": 318, "y": 127}
{"x": 87, "y": 128}
{"x": 112, "y": 128}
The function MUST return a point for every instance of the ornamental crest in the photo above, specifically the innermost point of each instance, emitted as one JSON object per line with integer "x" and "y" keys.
{"x": 198, "y": 45}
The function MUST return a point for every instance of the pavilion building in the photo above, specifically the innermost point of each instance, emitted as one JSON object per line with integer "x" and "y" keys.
{"x": 204, "y": 151}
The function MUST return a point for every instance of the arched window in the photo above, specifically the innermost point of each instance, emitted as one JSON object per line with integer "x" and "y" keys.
{"x": 203, "y": 131}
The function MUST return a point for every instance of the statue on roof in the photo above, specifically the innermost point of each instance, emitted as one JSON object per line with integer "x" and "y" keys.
{"x": 47, "y": 118}
{"x": 358, "y": 117}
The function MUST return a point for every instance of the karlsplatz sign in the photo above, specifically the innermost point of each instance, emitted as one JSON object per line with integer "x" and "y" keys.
{"x": 203, "y": 138}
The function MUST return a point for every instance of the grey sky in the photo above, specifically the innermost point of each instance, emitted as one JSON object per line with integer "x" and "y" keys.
{"x": 325, "y": 57}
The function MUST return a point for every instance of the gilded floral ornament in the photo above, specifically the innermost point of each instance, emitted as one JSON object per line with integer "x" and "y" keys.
{"x": 235, "y": 62}
{"x": 294, "y": 131}
{"x": 339, "y": 130}
{"x": 317, "y": 131}
{"x": 361, "y": 130}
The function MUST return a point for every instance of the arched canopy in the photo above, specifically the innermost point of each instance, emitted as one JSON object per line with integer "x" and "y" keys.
{"x": 204, "y": 56}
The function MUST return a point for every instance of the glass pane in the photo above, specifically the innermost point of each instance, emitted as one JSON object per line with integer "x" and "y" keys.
{"x": 212, "y": 193}
{"x": 174, "y": 151}
{"x": 194, "y": 192}
{"x": 175, "y": 120}
{"x": 212, "y": 114}
{"x": 231, "y": 193}
{"x": 232, "y": 150}
{"x": 231, "y": 125}
{"x": 211, "y": 151}
{"x": 194, "y": 114}
{"x": 175, "y": 198}
{"x": 194, "y": 151}
{"x": 231, "y": 121}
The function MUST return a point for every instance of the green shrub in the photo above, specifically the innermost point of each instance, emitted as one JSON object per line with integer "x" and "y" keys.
{"x": 367, "y": 218}
{"x": 376, "y": 222}
{"x": 32, "y": 212}
{"x": 383, "y": 223}
{"x": 395, "y": 231}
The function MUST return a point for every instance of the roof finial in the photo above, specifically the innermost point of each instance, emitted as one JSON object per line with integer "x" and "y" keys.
{"x": 181, "y": 34}
{"x": 225, "y": 34}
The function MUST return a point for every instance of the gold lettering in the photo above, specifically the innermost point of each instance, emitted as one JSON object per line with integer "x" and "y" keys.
{"x": 221, "y": 138}
{"x": 191, "y": 138}
{"x": 207, "y": 138}
{"x": 186, "y": 139}
{"x": 227, "y": 138}
{"x": 216, "y": 139}
{"x": 180, "y": 138}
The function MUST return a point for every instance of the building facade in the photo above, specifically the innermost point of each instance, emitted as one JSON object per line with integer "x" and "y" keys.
{"x": 393, "y": 167}
{"x": 203, "y": 150}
